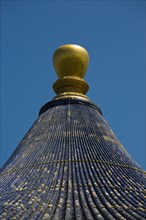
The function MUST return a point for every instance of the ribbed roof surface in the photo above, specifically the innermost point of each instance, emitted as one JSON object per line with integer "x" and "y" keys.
{"x": 71, "y": 166}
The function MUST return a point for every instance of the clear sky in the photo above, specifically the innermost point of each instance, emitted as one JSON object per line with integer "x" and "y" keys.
{"x": 113, "y": 32}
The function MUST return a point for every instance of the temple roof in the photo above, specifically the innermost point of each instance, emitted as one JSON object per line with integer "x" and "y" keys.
{"x": 70, "y": 165}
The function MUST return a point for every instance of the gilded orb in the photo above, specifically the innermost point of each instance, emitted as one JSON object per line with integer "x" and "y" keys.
{"x": 70, "y": 60}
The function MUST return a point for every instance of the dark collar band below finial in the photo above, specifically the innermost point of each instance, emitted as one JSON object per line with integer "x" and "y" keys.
{"x": 68, "y": 101}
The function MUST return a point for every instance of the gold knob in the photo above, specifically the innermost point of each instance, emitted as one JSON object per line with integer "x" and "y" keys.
{"x": 70, "y": 62}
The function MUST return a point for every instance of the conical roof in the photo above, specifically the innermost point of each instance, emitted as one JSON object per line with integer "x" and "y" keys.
{"x": 70, "y": 165}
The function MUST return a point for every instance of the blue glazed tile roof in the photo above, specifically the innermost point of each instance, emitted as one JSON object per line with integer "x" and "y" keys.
{"x": 70, "y": 165}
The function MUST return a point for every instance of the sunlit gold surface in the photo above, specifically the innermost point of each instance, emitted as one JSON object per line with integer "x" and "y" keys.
{"x": 70, "y": 63}
{"x": 70, "y": 60}
{"x": 72, "y": 95}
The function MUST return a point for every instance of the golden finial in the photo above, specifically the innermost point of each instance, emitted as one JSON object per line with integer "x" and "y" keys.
{"x": 70, "y": 63}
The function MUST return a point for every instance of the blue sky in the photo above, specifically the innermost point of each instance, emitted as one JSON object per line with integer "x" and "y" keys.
{"x": 113, "y": 32}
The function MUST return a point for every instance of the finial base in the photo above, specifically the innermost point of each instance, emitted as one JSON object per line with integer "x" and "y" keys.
{"x": 71, "y": 95}
{"x": 70, "y": 84}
